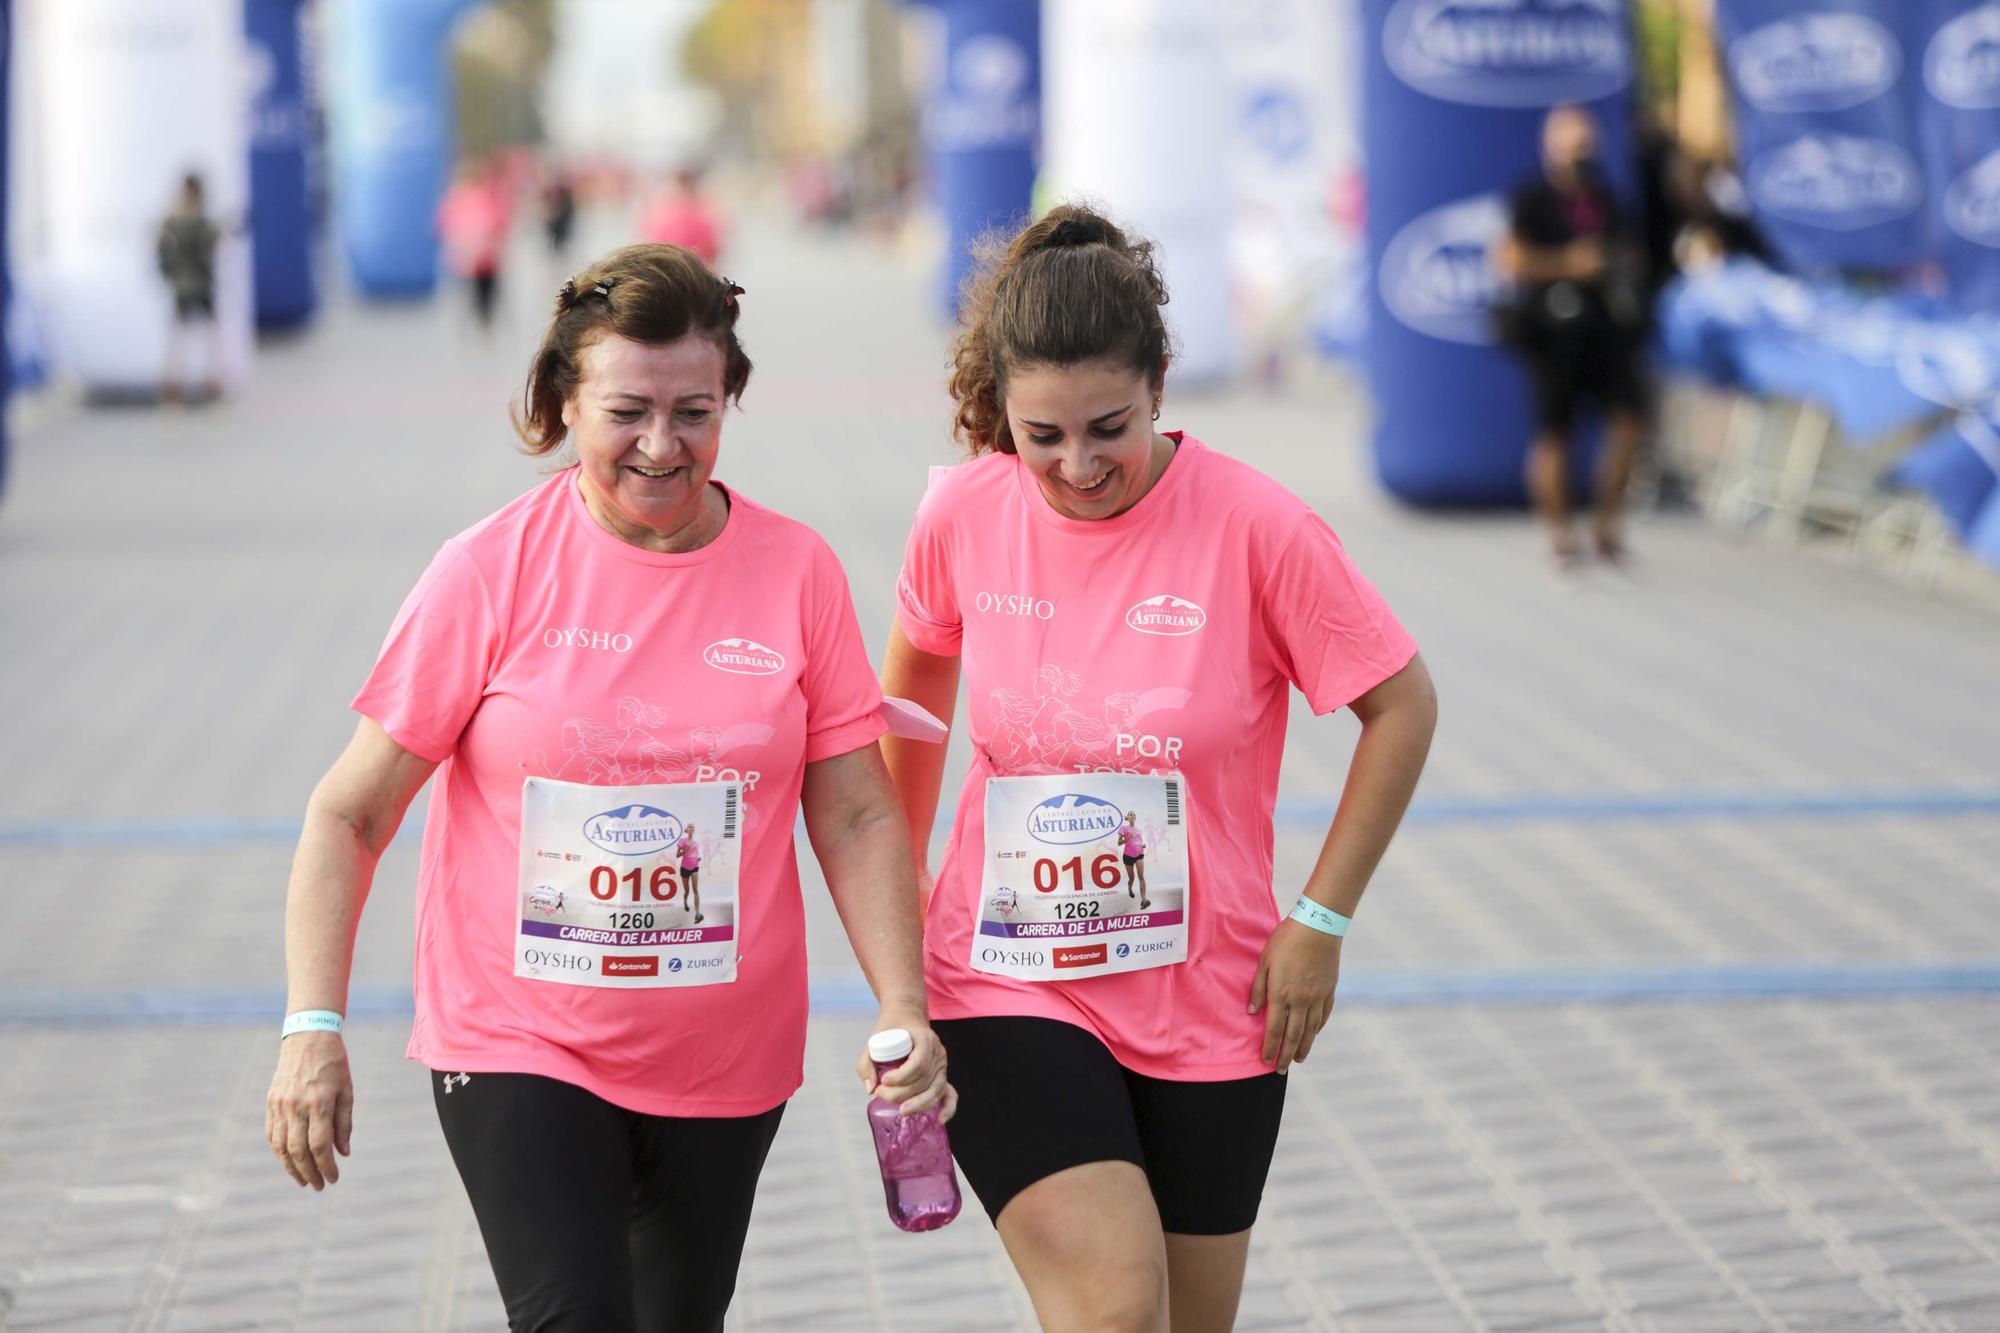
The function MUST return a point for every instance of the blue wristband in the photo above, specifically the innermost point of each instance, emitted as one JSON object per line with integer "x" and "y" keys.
{"x": 311, "y": 1020}
{"x": 1323, "y": 919}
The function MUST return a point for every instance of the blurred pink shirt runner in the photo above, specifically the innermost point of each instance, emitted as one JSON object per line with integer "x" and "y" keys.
{"x": 685, "y": 220}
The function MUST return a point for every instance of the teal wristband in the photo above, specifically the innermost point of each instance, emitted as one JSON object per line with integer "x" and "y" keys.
{"x": 311, "y": 1020}
{"x": 1323, "y": 919}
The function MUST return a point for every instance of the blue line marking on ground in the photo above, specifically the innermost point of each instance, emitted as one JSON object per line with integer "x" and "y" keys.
{"x": 113, "y": 835}
{"x": 843, "y": 995}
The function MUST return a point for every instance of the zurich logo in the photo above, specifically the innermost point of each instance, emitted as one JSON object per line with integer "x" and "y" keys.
{"x": 1275, "y": 123}
{"x": 1124, "y": 951}
{"x": 1166, "y": 614}
{"x": 1837, "y": 182}
{"x": 990, "y": 66}
{"x": 1435, "y": 275}
{"x": 743, "y": 657}
{"x": 1509, "y": 52}
{"x": 1962, "y": 66}
{"x": 1073, "y": 818}
{"x": 1951, "y": 366}
{"x": 1816, "y": 62}
{"x": 1972, "y": 203}
{"x": 673, "y": 965}
{"x": 633, "y": 830}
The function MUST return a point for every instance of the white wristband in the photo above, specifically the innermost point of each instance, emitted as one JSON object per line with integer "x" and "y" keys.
{"x": 311, "y": 1020}
{"x": 1320, "y": 917}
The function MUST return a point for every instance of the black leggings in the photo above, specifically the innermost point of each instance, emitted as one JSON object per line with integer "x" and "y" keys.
{"x": 598, "y": 1219}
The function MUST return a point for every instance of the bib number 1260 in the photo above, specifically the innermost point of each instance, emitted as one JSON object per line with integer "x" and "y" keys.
{"x": 604, "y": 882}
{"x": 1048, "y": 874}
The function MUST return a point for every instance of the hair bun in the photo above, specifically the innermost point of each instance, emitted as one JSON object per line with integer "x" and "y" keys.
{"x": 1075, "y": 231}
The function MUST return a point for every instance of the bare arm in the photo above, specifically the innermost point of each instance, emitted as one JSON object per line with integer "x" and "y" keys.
{"x": 917, "y": 767}
{"x": 1579, "y": 261}
{"x": 353, "y": 814}
{"x": 859, "y": 835}
{"x": 1301, "y": 966}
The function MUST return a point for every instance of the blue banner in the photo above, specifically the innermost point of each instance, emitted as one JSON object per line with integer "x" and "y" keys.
{"x": 6, "y": 280}
{"x": 1456, "y": 92}
{"x": 1825, "y": 128}
{"x": 1956, "y": 44}
{"x": 280, "y": 133}
{"x": 983, "y": 122}
{"x": 392, "y": 138}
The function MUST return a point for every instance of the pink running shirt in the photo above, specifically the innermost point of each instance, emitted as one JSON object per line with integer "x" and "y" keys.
{"x": 539, "y": 644}
{"x": 1134, "y": 844}
{"x": 1168, "y": 637}
{"x": 690, "y": 854}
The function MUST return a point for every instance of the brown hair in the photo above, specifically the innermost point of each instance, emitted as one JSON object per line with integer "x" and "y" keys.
{"x": 651, "y": 294}
{"x": 1065, "y": 290}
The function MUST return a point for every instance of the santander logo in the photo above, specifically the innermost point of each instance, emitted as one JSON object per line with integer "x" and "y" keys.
{"x": 744, "y": 657}
{"x": 1166, "y": 614}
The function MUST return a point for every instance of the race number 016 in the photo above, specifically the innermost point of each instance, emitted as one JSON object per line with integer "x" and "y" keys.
{"x": 1104, "y": 873}
{"x": 604, "y": 882}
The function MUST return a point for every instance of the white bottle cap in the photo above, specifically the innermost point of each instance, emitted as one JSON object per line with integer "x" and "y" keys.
{"x": 890, "y": 1044}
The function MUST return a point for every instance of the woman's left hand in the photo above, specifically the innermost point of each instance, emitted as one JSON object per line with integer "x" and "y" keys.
{"x": 1294, "y": 989}
{"x": 918, "y": 1083}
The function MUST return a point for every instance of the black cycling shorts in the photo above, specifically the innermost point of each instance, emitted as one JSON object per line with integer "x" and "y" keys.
{"x": 1205, "y": 1147}
{"x": 599, "y": 1219}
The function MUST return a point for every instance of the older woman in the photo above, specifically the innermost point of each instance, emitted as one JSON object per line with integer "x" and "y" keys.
{"x": 628, "y": 671}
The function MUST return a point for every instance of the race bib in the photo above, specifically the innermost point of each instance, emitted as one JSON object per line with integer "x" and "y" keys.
{"x": 603, "y": 898}
{"x": 1063, "y": 895}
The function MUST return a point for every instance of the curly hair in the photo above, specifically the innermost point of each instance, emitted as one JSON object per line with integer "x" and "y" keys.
{"x": 1067, "y": 289}
{"x": 652, "y": 294}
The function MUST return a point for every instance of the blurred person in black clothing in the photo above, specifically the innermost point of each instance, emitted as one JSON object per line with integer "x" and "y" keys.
{"x": 1577, "y": 320}
{"x": 185, "y": 249}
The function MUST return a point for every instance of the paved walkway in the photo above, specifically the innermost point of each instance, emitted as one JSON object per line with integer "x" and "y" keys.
{"x": 1763, "y": 776}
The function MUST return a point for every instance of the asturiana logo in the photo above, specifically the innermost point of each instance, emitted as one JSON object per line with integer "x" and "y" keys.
{"x": 633, "y": 830}
{"x": 1073, "y": 818}
{"x": 1972, "y": 203}
{"x": 1816, "y": 62}
{"x": 1509, "y": 52}
{"x": 1837, "y": 181}
{"x": 745, "y": 657}
{"x": 1435, "y": 276}
{"x": 1962, "y": 66}
{"x": 1166, "y": 614}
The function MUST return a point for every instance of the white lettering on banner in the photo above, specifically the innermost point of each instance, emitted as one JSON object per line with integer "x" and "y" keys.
{"x": 1513, "y": 53}
{"x": 1147, "y": 746}
{"x": 1972, "y": 203}
{"x": 1015, "y": 604}
{"x": 579, "y": 637}
{"x": 985, "y": 103}
{"x": 1962, "y": 66}
{"x": 1816, "y": 62}
{"x": 1435, "y": 276}
{"x": 1837, "y": 181}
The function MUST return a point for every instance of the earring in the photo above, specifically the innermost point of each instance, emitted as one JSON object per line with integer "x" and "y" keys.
{"x": 1156, "y": 411}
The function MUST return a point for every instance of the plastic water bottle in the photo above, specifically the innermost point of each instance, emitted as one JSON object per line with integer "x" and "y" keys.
{"x": 917, "y": 1177}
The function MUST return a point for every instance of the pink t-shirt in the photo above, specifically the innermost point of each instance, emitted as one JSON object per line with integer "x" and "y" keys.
{"x": 687, "y": 222}
{"x": 1134, "y": 844}
{"x": 539, "y": 644}
{"x": 1166, "y": 638}
{"x": 690, "y": 853}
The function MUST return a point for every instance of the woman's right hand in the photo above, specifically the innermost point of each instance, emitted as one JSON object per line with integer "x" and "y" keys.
{"x": 309, "y": 1113}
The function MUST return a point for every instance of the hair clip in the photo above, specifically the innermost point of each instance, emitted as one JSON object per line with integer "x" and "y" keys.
{"x": 730, "y": 291}
{"x": 603, "y": 288}
{"x": 566, "y": 298}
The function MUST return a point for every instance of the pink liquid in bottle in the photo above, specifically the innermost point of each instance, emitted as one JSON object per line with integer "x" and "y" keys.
{"x": 917, "y": 1176}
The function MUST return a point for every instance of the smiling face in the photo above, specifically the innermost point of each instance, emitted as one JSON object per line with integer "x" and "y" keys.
{"x": 646, "y": 423}
{"x": 1085, "y": 432}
